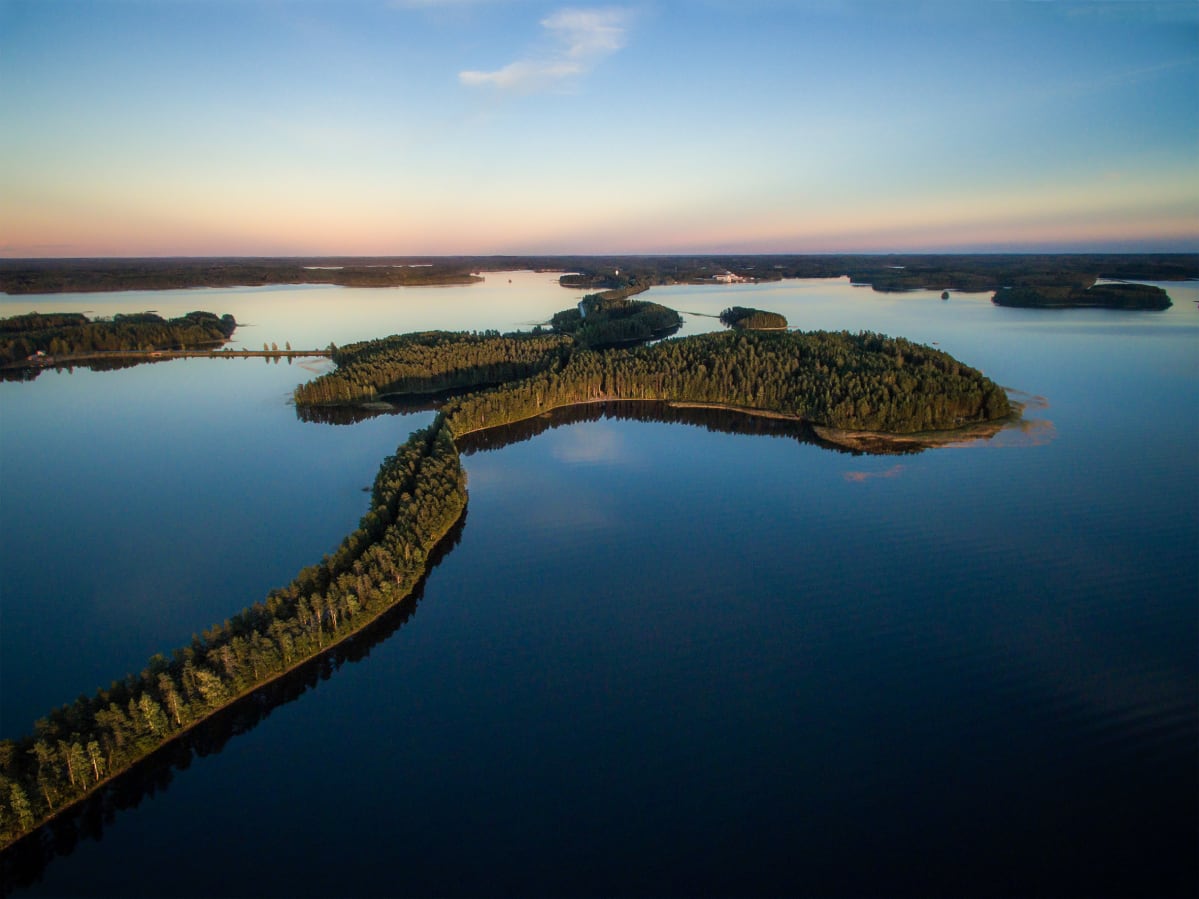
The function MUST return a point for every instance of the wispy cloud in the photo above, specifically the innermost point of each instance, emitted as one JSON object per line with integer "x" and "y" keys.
{"x": 576, "y": 40}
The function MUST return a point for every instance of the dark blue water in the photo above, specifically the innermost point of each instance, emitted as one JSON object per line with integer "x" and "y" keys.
{"x": 668, "y": 660}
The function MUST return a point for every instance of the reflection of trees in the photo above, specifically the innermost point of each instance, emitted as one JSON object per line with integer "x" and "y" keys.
{"x": 388, "y": 404}
{"x": 22, "y": 863}
{"x": 727, "y": 421}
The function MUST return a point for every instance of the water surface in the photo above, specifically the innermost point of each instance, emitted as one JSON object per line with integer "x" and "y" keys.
{"x": 662, "y": 659}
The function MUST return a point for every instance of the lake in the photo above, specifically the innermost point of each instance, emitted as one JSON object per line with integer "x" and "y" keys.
{"x": 661, "y": 658}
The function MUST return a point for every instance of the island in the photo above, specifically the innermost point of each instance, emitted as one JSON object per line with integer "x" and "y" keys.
{"x": 611, "y": 319}
{"x": 1104, "y": 296}
{"x": 38, "y": 338}
{"x": 862, "y": 383}
{"x": 744, "y": 318}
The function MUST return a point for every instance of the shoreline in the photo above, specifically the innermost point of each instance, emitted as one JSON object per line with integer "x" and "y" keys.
{"x": 847, "y": 439}
{"x": 157, "y": 356}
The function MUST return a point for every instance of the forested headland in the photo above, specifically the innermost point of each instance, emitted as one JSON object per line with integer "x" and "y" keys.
{"x": 839, "y": 380}
{"x": 72, "y": 333}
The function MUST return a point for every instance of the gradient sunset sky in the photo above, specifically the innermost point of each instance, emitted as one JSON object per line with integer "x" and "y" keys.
{"x": 305, "y": 127}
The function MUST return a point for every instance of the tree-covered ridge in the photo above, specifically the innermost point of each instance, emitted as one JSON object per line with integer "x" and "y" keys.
{"x": 749, "y": 319}
{"x": 429, "y": 362}
{"x": 611, "y": 319}
{"x": 1109, "y": 296}
{"x": 418, "y": 495}
{"x": 840, "y": 380}
{"x": 66, "y": 334}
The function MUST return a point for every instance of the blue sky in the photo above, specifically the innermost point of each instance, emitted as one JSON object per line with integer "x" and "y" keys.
{"x": 200, "y": 127}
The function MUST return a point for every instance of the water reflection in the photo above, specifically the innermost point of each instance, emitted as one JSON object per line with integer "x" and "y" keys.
{"x": 726, "y": 421}
{"x": 387, "y": 404}
{"x": 23, "y": 863}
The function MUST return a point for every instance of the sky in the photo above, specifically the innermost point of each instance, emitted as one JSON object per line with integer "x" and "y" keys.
{"x": 413, "y": 127}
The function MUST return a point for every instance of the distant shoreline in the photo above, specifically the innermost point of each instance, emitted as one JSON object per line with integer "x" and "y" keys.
{"x": 70, "y": 359}
{"x": 979, "y": 272}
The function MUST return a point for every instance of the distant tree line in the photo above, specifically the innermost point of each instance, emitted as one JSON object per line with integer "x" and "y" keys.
{"x": 94, "y": 275}
{"x": 66, "y": 334}
{"x": 417, "y": 497}
{"x": 978, "y": 272}
{"x": 748, "y": 319}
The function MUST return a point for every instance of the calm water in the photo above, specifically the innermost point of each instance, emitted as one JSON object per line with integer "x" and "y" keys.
{"x": 662, "y": 659}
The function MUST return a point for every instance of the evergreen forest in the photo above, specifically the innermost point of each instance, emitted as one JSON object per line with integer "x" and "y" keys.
{"x": 611, "y": 319}
{"x": 839, "y": 380}
{"x": 429, "y": 362}
{"x": 70, "y": 333}
{"x": 418, "y": 495}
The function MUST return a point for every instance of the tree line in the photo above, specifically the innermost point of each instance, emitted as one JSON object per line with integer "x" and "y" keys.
{"x": 863, "y": 381}
{"x": 418, "y": 495}
{"x": 980, "y": 272}
{"x": 66, "y": 333}
{"x": 1109, "y": 296}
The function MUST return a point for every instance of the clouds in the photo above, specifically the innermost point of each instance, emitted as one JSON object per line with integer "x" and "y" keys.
{"x": 575, "y": 41}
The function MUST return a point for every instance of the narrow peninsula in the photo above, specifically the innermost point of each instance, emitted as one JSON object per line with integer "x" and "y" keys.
{"x": 837, "y": 380}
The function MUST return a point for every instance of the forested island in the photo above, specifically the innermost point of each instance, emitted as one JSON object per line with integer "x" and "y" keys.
{"x": 611, "y": 319}
{"x": 861, "y": 381}
{"x": 1107, "y": 296}
{"x": 26, "y": 338}
{"x": 744, "y": 318}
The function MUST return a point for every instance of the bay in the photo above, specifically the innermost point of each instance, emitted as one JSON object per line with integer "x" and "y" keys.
{"x": 661, "y": 659}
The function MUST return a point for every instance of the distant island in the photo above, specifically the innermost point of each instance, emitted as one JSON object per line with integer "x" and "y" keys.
{"x": 859, "y": 382}
{"x": 611, "y": 318}
{"x": 1106, "y": 296}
